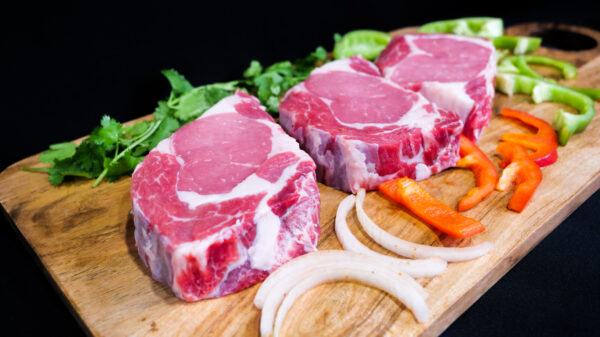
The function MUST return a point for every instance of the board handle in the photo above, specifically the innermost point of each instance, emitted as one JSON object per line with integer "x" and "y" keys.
{"x": 576, "y": 44}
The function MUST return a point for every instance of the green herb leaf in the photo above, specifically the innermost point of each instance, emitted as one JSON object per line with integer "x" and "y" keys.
{"x": 125, "y": 165}
{"x": 90, "y": 157}
{"x": 307, "y": 64}
{"x": 112, "y": 150}
{"x": 254, "y": 70}
{"x": 136, "y": 129}
{"x": 178, "y": 83}
{"x": 108, "y": 133}
{"x": 55, "y": 177}
{"x": 116, "y": 169}
{"x": 368, "y": 43}
{"x": 166, "y": 128}
{"x": 272, "y": 104}
{"x": 275, "y": 80}
{"x": 162, "y": 110}
{"x": 58, "y": 151}
{"x": 193, "y": 103}
{"x": 63, "y": 169}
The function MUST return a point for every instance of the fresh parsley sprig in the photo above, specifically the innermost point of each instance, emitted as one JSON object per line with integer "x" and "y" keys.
{"x": 269, "y": 85}
{"x": 113, "y": 150}
{"x": 136, "y": 141}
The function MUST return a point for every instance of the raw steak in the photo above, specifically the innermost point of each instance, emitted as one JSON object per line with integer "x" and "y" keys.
{"x": 454, "y": 72}
{"x": 363, "y": 129}
{"x": 224, "y": 201}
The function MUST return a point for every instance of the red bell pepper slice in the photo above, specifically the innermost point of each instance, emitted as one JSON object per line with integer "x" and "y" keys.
{"x": 544, "y": 142}
{"x": 522, "y": 171}
{"x": 410, "y": 194}
{"x": 486, "y": 177}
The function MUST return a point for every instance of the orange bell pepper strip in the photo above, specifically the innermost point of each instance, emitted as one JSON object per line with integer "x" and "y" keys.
{"x": 522, "y": 171}
{"x": 544, "y": 142}
{"x": 486, "y": 177}
{"x": 410, "y": 194}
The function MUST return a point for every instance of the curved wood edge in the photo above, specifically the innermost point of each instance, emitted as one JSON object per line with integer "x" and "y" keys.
{"x": 578, "y": 57}
{"x": 518, "y": 252}
{"x": 54, "y": 281}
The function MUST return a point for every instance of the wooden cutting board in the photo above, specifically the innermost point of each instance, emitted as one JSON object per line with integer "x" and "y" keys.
{"x": 84, "y": 239}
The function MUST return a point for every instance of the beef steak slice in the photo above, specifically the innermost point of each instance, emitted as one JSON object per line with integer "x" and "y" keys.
{"x": 454, "y": 72}
{"x": 363, "y": 129}
{"x": 224, "y": 201}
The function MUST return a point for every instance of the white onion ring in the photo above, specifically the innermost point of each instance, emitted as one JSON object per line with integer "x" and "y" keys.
{"x": 350, "y": 262}
{"x": 373, "y": 276}
{"x": 416, "y": 268}
{"x": 413, "y": 250}
{"x": 288, "y": 273}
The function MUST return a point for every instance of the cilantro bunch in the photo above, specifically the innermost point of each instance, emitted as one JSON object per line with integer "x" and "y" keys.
{"x": 274, "y": 81}
{"x": 113, "y": 149}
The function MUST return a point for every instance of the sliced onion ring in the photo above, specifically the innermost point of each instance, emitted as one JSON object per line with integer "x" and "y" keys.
{"x": 410, "y": 249}
{"x": 351, "y": 262}
{"x": 288, "y": 273}
{"x": 417, "y": 268}
{"x": 373, "y": 276}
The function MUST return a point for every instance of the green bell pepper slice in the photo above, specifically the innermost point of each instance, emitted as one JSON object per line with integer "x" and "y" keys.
{"x": 524, "y": 68}
{"x": 521, "y": 63}
{"x": 500, "y": 54}
{"x": 472, "y": 26}
{"x": 565, "y": 123}
{"x": 592, "y": 93}
{"x": 518, "y": 44}
{"x": 368, "y": 43}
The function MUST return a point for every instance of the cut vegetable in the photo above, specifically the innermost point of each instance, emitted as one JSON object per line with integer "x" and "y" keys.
{"x": 413, "y": 250}
{"x": 524, "y": 68}
{"x": 286, "y": 273}
{"x": 472, "y": 26}
{"x": 565, "y": 123}
{"x": 370, "y": 275}
{"x": 410, "y": 194}
{"x": 100, "y": 156}
{"x": 500, "y": 54}
{"x": 320, "y": 263}
{"x": 592, "y": 93}
{"x": 521, "y": 64}
{"x": 416, "y": 268}
{"x": 522, "y": 171}
{"x": 486, "y": 177}
{"x": 368, "y": 43}
{"x": 272, "y": 82}
{"x": 113, "y": 150}
{"x": 544, "y": 142}
{"x": 517, "y": 44}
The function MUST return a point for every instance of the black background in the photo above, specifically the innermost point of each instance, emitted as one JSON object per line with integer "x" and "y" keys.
{"x": 70, "y": 63}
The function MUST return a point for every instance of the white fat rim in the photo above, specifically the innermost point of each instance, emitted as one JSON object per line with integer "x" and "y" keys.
{"x": 414, "y": 250}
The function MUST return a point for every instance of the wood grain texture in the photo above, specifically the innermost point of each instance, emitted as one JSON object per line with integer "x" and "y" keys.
{"x": 84, "y": 239}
